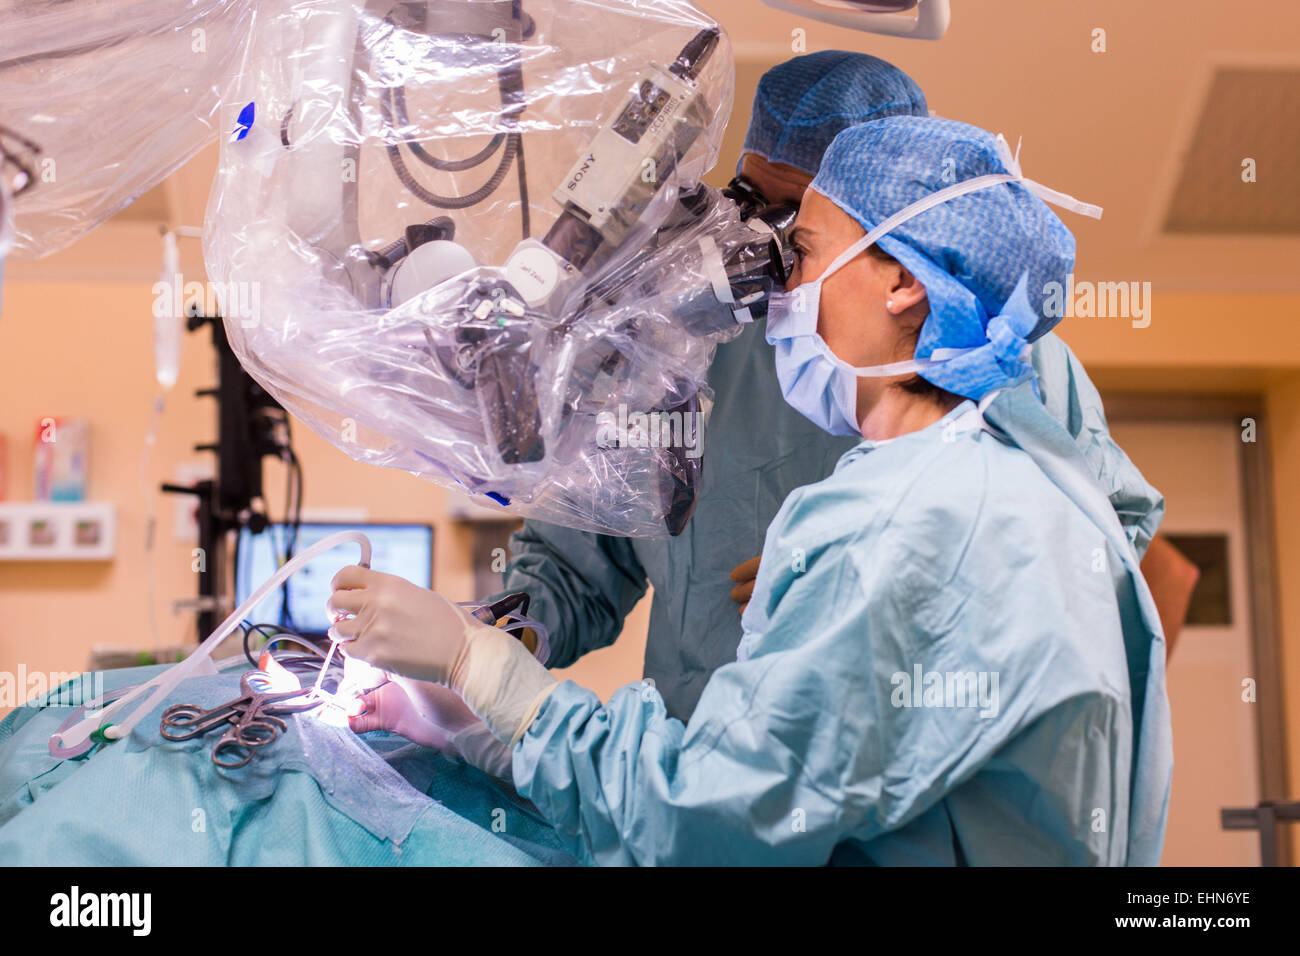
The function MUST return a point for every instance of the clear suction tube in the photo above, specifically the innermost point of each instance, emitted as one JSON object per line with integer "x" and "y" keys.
{"x": 162, "y": 685}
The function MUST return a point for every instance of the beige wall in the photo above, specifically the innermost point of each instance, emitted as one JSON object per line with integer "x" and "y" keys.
{"x": 83, "y": 349}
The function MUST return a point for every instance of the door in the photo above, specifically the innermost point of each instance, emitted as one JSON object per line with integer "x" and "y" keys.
{"x": 1197, "y": 466}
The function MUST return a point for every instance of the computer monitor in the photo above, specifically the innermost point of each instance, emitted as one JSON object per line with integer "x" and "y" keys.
{"x": 402, "y": 549}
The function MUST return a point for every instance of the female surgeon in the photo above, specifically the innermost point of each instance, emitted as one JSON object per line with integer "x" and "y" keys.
{"x": 950, "y": 656}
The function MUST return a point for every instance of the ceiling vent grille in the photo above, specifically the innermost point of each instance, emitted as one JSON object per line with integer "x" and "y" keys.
{"x": 1249, "y": 114}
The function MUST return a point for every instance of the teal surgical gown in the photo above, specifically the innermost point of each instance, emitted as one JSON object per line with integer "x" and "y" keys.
{"x": 757, "y": 450}
{"x": 950, "y": 657}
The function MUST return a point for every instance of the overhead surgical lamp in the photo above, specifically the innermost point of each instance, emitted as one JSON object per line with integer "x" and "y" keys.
{"x": 886, "y": 17}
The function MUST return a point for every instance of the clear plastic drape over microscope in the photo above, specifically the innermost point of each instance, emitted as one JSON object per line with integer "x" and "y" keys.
{"x": 467, "y": 238}
{"x": 101, "y": 99}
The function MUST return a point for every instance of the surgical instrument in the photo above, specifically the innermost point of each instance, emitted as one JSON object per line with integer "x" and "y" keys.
{"x": 254, "y": 718}
{"x": 102, "y": 721}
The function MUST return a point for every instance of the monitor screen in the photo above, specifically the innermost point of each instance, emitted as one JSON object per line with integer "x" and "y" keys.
{"x": 402, "y": 549}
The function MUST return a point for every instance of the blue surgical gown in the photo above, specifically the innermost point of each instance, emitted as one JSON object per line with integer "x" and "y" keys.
{"x": 758, "y": 449}
{"x": 950, "y": 657}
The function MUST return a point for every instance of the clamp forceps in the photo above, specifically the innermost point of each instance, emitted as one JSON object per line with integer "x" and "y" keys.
{"x": 253, "y": 717}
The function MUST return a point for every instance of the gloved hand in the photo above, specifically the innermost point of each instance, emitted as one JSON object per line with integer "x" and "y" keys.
{"x": 427, "y": 714}
{"x": 398, "y": 626}
{"x": 744, "y": 574}
{"x": 480, "y": 748}
{"x": 434, "y": 716}
{"x": 417, "y": 633}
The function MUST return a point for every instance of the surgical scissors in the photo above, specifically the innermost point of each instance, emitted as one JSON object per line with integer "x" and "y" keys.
{"x": 253, "y": 716}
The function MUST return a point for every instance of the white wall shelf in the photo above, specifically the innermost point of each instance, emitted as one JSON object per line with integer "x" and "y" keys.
{"x": 57, "y": 530}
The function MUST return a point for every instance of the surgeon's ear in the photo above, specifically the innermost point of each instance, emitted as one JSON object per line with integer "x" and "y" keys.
{"x": 903, "y": 290}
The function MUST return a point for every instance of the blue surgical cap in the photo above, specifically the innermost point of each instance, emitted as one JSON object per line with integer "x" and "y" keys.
{"x": 801, "y": 104}
{"x": 988, "y": 259}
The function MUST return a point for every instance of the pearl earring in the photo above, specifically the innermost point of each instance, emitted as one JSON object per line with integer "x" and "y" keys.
{"x": 889, "y": 304}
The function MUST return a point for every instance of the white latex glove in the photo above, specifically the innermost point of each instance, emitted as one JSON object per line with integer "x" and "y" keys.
{"x": 409, "y": 630}
{"x": 398, "y": 626}
{"x": 480, "y": 748}
{"x": 434, "y": 716}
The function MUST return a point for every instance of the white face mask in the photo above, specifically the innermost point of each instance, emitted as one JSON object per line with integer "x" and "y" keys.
{"x": 814, "y": 380}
